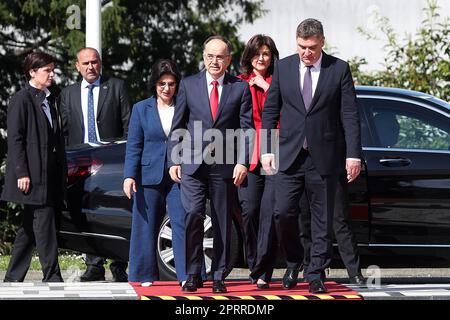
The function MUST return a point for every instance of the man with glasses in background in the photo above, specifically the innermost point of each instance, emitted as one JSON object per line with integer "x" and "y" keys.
{"x": 212, "y": 99}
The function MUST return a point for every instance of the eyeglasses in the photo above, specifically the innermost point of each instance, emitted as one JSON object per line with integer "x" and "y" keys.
{"x": 163, "y": 84}
{"x": 219, "y": 58}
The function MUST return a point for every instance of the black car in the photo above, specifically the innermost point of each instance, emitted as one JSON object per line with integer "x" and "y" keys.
{"x": 400, "y": 201}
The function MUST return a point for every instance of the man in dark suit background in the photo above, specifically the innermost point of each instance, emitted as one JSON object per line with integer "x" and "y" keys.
{"x": 92, "y": 110}
{"x": 210, "y": 100}
{"x": 313, "y": 95}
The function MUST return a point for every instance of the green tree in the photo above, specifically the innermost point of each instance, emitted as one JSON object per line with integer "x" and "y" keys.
{"x": 135, "y": 34}
{"x": 419, "y": 63}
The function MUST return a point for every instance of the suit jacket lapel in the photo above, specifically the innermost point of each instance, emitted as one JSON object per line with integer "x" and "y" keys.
{"x": 77, "y": 109}
{"x": 155, "y": 118}
{"x": 295, "y": 83}
{"x": 321, "y": 83}
{"x": 203, "y": 87}
{"x": 54, "y": 115}
{"x": 104, "y": 87}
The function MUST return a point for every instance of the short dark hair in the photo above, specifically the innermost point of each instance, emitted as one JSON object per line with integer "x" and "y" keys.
{"x": 160, "y": 68}
{"x": 309, "y": 28}
{"x": 251, "y": 49}
{"x": 217, "y": 37}
{"x": 36, "y": 60}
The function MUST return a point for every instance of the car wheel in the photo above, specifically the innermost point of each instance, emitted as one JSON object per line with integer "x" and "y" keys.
{"x": 165, "y": 256}
{"x": 166, "y": 259}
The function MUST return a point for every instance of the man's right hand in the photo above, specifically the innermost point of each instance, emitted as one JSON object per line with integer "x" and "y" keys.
{"x": 268, "y": 163}
{"x": 175, "y": 173}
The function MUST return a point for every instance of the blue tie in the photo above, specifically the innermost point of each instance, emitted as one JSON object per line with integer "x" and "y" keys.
{"x": 92, "y": 136}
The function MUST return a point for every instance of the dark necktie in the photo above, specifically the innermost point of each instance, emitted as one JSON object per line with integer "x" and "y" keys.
{"x": 307, "y": 95}
{"x": 214, "y": 99}
{"x": 307, "y": 88}
{"x": 92, "y": 136}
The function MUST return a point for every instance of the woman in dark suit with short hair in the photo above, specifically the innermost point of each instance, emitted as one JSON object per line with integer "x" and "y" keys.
{"x": 35, "y": 169}
{"x": 147, "y": 179}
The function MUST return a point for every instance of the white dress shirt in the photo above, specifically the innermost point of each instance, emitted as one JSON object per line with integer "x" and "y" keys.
{"x": 315, "y": 73}
{"x": 166, "y": 116}
{"x": 84, "y": 106}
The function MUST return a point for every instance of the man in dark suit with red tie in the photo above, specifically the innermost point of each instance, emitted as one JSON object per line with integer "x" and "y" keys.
{"x": 210, "y": 104}
{"x": 313, "y": 95}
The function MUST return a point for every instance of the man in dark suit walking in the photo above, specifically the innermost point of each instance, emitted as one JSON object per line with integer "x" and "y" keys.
{"x": 313, "y": 95}
{"x": 210, "y": 103}
{"x": 92, "y": 110}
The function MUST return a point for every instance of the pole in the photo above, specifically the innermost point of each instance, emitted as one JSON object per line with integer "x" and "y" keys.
{"x": 94, "y": 25}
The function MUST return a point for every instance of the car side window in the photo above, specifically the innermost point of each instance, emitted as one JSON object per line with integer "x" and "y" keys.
{"x": 398, "y": 124}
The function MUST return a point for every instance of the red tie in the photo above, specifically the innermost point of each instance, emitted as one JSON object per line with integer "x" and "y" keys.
{"x": 214, "y": 99}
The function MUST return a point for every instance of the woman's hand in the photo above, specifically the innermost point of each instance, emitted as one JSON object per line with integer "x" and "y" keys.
{"x": 23, "y": 184}
{"x": 129, "y": 187}
{"x": 260, "y": 82}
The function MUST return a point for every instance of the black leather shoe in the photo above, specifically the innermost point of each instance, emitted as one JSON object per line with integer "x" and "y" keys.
{"x": 219, "y": 287}
{"x": 193, "y": 282}
{"x": 359, "y": 280}
{"x": 119, "y": 275}
{"x": 10, "y": 280}
{"x": 290, "y": 278}
{"x": 93, "y": 274}
{"x": 317, "y": 286}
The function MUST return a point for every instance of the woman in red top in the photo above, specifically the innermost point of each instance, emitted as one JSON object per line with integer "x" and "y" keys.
{"x": 256, "y": 193}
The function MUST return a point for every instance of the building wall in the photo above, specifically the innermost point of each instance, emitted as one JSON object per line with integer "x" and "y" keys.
{"x": 340, "y": 19}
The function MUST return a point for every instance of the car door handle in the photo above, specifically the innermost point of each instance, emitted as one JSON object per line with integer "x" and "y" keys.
{"x": 395, "y": 162}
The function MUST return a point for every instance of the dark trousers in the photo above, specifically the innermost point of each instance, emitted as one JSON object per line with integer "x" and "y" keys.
{"x": 150, "y": 204}
{"x": 37, "y": 229}
{"x": 266, "y": 240}
{"x": 194, "y": 191}
{"x": 302, "y": 177}
{"x": 343, "y": 233}
{"x": 250, "y": 196}
{"x": 93, "y": 261}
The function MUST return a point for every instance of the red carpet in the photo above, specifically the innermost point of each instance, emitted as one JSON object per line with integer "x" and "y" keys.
{"x": 243, "y": 290}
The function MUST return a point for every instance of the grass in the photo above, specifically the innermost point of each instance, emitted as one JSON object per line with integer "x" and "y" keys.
{"x": 66, "y": 261}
